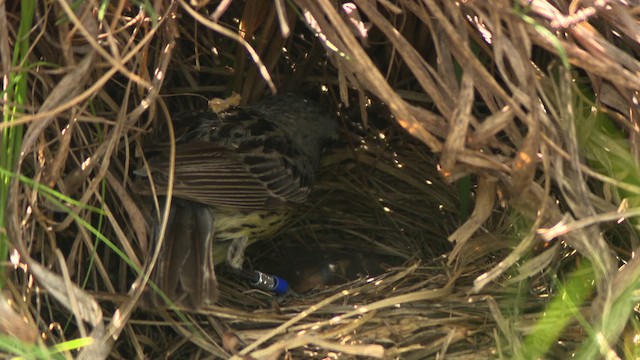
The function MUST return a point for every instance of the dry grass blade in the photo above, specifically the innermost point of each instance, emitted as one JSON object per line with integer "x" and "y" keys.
{"x": 13, "y": 325}
{"x": 481, "y": 212}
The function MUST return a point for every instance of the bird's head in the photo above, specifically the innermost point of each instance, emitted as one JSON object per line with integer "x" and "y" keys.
{"x": 307, "y": 123}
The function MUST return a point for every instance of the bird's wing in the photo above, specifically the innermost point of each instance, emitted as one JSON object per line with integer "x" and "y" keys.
{"x": 249, "y": 178}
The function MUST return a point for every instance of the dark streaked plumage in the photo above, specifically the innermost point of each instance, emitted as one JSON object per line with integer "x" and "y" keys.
{"x": 237, "y": 175}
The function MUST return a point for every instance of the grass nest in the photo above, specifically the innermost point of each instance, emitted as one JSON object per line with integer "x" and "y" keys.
{"x": 482, "y": 202}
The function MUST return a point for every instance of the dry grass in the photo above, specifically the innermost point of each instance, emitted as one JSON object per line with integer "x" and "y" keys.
{"x": 534, "y": 104}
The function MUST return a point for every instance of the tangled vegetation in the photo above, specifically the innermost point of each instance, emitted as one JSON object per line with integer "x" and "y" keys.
{"x": 484, "y": 195}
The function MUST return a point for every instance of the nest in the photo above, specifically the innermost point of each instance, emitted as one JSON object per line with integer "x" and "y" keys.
{"x": 481, "y": 204}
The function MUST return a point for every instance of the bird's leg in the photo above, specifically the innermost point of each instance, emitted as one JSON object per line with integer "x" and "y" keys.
{"x": 235, "y": 254}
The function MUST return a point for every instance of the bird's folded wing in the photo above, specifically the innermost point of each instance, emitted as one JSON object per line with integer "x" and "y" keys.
{"x": 219, "y": 176}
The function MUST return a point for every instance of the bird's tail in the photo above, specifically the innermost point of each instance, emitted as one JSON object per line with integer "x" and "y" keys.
{"x": 184, "y": 271}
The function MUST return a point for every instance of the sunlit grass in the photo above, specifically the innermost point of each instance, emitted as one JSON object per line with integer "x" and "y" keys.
{"x": 606, "y": 150}
{"x": 561, "y": 311}
{"x": 27, "y": 351}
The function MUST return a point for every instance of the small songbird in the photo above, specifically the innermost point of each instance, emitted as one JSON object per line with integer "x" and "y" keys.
{"x": 238, "y": 176}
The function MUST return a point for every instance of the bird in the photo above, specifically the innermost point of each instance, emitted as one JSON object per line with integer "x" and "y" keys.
{"x": 239, "y": 175}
